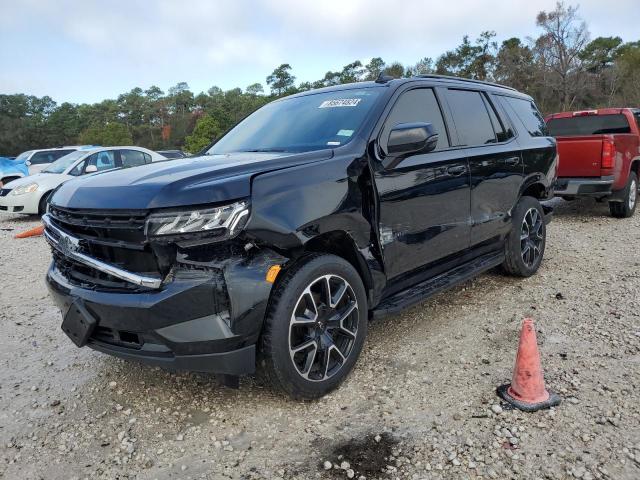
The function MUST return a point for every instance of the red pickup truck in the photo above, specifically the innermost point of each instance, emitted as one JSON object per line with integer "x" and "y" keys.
{"x": 599, "y": 156}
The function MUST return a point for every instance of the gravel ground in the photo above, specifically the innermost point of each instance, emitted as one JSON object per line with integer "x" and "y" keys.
{"x": 420, "y": 404}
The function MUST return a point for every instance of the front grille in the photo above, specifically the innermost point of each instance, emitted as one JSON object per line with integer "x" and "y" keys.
{"x": 4, "y": 192}
{"x": 115, "y": 237}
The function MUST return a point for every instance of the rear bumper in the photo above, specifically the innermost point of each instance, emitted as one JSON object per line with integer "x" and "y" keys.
{"x": 590, "y": 187}
{"x": 198, "y": 321}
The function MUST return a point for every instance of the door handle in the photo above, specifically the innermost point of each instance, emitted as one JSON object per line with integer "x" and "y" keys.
{"x": 457, "y": 170}
{"x": 512, "y": 161}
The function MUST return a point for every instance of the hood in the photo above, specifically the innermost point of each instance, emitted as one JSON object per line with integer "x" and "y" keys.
{"x": 190, "y": 181}
{"x": 39, "y": 178}
{"x": 13, "y": 167}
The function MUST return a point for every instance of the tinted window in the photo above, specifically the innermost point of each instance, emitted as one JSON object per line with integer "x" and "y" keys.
{"x": 588, "y": 125}
{"x": 102, "y": 160}
{"x": 471, "y": 117}
{"x": 529, "y": 115}
{"x": 132, "y": 158}
{"x": 418, "y": 105}
{"x": 637, "y": 116}
{"x": 48, "y": 157}
{"x": 298, "y": 124}
{"x": 503, "y": 132}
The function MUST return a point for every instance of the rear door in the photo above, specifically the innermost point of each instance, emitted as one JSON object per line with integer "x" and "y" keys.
{"x": 424, "y": 200}
{"x": 495, "y": 162}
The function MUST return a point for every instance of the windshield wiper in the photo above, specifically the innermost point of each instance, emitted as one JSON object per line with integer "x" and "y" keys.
{"x": 264, "y": 150}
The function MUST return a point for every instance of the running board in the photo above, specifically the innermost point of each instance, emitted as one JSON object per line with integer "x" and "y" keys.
{"x": 420, "y": 292}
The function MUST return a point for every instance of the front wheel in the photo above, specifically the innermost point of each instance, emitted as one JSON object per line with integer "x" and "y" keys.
{"x": 627, "y": 206}
{"x": 315, "y": 328}
{"x": 525, "y": 244}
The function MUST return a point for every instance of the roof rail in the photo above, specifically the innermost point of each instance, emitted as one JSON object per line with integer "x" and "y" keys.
{"x": 459, "y": 79}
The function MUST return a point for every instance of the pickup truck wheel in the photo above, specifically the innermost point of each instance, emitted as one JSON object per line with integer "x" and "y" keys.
{"x": 315, "y": 328}
{"x": 627, "y": 207}
{"x": 525, "y": 244}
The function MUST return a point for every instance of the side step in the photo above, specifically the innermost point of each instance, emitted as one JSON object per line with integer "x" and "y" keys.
{"x": 420, "y": 292}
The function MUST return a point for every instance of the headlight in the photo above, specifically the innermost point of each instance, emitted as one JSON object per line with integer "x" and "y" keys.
{"x": 221, "y": 222}
{"x": 21, "y": 190}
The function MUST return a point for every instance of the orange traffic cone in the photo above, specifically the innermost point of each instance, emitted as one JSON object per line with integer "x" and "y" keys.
{"x": 527, "y": 391}
{"x": 34, "y": 232}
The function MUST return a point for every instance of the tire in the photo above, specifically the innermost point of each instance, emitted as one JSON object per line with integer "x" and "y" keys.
{"x": 525, "y": 244}
{"x": 627, "y": 207}
{"x": 42, "y": 205}
{"x": 295, "y": 339}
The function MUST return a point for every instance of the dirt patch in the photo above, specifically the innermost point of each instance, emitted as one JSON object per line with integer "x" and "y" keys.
{"x": 368, "y": 456}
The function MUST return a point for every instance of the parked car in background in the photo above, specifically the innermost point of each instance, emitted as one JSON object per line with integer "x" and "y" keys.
{"x": 599, "y": 156}
{"x": 313, "y": 214}
{"x": 172, "y": 154}
{"x": 29, "y": 194}
{"x": 38, "y": 160}
{"x": 12, "y": 169}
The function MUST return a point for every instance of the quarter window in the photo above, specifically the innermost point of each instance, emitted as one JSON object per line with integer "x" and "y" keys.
{"x": 419, "y": 105}
{"x": 529, "y": 115}
{"x": 471, "y": 118}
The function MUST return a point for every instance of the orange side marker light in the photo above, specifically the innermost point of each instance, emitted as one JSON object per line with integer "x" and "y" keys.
{"x": 272, "y": 273}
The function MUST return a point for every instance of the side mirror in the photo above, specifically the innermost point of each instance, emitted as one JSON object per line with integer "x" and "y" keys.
{"x": 91, "y": 169}
{"x": 28, "y": 163}
{"x": 408, "y": 138}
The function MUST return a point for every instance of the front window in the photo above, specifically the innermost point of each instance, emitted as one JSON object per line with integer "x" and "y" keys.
{"x": 60, "y": 165}
{"x": 300, "y": 124}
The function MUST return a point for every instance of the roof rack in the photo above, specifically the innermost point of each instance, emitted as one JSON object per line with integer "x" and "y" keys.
{"x": 459, "y": 79}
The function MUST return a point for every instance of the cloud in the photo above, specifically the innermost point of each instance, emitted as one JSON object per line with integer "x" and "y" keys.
{"x": 225, "y": 42}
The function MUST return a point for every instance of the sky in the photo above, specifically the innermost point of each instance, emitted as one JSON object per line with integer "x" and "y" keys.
{"x": 85, "y": 51}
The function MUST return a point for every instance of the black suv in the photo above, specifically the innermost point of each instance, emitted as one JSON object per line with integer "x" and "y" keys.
{"x": 315, "y": 214}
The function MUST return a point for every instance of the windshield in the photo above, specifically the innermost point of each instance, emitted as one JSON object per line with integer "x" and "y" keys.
{"x": 24, "y": 155}
{"x": 65, "y": 162}
{"x": 300, "y": 124}
{"x": 588, "y": 125}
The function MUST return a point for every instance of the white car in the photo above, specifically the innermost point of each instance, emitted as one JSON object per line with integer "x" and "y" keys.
{"x": 29, "y": 194}
{"x": 38, "y": 160}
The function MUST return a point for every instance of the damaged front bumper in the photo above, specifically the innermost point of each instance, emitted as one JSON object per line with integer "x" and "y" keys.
{"x": 204, "y": 318}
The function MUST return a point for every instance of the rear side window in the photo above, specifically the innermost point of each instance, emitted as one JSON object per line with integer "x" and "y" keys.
{"x": 588, "y": 125}
{"x": 471, "y": 118}
{"x": 419, "y": 105}
{"x": 133, "y": 158}
{"x": 528, "y": 114}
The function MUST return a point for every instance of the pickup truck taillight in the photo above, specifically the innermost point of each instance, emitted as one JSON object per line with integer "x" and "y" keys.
{"x": 608, "y": 154}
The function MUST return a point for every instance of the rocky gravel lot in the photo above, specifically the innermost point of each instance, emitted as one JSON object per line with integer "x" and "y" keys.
{"x": 420, "y": 404}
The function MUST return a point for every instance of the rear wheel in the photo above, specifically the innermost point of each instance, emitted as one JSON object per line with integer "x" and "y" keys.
{"x": 627, "y": 206}
{"x": 525, "y": 244}
{"x": 315, "y": 328}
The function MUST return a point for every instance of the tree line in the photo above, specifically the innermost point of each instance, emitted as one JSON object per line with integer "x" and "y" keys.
{"x": 562, "y": 69}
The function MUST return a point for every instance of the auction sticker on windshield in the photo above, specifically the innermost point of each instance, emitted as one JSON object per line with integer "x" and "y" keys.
{"x": 340, "y": 102}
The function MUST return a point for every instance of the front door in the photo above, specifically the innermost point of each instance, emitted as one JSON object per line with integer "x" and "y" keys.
{"x": 424, "y": 200}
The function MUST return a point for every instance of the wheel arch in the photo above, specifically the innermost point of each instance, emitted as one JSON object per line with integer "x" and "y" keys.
{"x": 341, "y": 244}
